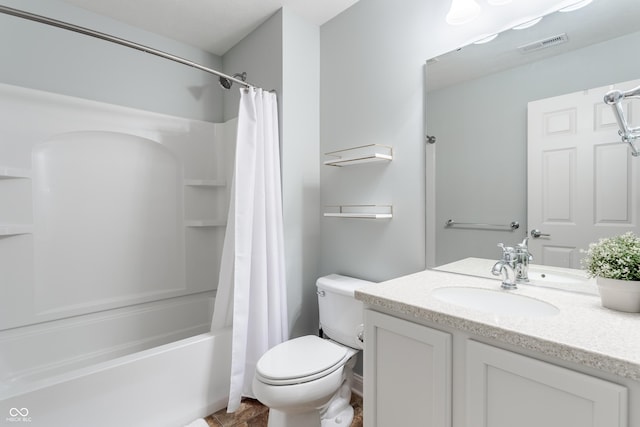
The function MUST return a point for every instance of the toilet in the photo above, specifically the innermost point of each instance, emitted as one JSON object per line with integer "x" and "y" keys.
{"x": 306, "y": 381}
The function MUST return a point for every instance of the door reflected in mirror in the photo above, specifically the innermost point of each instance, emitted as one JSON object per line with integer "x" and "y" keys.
{"x": 479, "y": 102}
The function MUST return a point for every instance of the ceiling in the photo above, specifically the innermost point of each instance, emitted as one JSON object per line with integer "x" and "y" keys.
{"x": 211, "y": 25}
{"x": 600, "y": 21}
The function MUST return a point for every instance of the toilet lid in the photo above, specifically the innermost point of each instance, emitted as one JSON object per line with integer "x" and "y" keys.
{"x": 300, "y": 358}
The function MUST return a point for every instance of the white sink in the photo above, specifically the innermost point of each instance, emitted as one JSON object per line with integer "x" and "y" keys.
{"x": 542, "y": 275}
{"x": 500, "y": 303}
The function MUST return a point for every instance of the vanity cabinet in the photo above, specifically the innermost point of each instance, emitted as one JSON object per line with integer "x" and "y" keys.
{"x": 409, "y": 372}
{"x": 506, "y": 389}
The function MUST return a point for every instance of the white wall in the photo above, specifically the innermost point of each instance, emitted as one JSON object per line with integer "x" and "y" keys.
{"x": 51, "y": 59}
{"x": 283, "y": 54}
{"x": 372, "y": 92}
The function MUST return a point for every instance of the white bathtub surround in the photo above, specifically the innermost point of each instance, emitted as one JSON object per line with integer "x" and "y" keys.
{"x": 111, "y": 229}
{"x": 252, "y": 282}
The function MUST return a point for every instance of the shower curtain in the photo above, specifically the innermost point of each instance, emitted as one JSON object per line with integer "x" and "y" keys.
{"x": 251, "y": 292}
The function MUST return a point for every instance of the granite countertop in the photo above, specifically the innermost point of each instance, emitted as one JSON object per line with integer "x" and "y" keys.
{"x": 583, "y": 332}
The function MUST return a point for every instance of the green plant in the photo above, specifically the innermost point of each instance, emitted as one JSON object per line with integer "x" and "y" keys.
{"x": 615, "y": 257}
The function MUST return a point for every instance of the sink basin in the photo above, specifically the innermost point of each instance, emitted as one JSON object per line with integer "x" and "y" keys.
{"x": 497, "y": 302}
{"x": 545, "y": 276}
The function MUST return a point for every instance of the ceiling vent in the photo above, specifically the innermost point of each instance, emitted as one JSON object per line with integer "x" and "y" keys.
{"x": 544, "y": 43}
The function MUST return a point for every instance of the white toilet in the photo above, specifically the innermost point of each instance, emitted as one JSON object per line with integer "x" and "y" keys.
{"x": 306, "y": 381}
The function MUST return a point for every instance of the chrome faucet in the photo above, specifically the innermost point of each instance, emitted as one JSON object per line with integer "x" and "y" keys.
{"x": 506, "y": 264}
{"x": 522, "y": 259}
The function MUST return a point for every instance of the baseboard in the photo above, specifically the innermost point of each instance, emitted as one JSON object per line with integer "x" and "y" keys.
{"x": 356, "y": 385}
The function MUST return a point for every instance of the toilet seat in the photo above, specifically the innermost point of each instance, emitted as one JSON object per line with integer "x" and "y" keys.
{"x": 301, "y": 360}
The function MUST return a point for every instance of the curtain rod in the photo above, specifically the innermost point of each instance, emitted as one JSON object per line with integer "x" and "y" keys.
{"x": 107, "y": 37}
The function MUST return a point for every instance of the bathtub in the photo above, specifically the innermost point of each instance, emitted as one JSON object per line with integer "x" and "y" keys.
{"x": 169, "y": 385}
{"x": 105, "y": 313}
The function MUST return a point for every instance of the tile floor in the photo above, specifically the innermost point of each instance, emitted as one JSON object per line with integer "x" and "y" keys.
{"x": 253, "y": 414}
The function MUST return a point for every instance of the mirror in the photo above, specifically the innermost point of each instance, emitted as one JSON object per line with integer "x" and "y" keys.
{"x": 476, "y": 107}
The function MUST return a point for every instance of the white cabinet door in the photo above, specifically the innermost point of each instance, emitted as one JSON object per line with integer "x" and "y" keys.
{"x": 506, "y": 389}
{"x": 407, "y": 373}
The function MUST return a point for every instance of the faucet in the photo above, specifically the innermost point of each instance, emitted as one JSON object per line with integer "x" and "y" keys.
{"x": 522, "y": 259}
{"x": 506, "y": 264}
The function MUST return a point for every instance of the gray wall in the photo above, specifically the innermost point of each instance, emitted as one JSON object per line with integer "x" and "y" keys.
{"x": 301, "y": 168}
{"x": 284, "y": 54}
{"x": 55, "y": 60}
{"x": 372, "y": 92}
{"x": 481, "y": 128}
{"x": 259, "y": 55}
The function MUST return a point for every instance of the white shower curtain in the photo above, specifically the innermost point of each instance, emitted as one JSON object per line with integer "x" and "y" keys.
{"x": 251, "y": 288}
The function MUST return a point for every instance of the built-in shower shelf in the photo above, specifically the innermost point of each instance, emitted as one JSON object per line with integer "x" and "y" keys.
{"x": 357, "y": 155}
{"x": 10, "y": 173}
{"x": 205, "y": 182}
{"x": 360, "y": 211}
{"x": 207, "y": 223}
{"x": 15, "y": 230}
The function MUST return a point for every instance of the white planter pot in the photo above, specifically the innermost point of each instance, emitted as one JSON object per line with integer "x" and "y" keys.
{"x": 621, "y": 295}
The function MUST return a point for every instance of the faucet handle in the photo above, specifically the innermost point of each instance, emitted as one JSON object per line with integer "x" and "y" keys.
{"x": 508, "y": 252}
{"x": 523, "y": 248}
{"x": 524, "y": 244}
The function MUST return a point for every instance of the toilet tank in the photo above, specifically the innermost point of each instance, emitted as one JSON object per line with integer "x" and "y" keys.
{"x": 341, "y": 315}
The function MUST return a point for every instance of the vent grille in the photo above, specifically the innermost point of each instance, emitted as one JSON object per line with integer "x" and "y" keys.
{"x": 544, "y": 43}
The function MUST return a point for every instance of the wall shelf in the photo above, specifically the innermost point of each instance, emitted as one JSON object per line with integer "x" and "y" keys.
{"x": 357, "y": 155}
{"x": 12, "y": 173}
{"x": 15, "y": 230}
{"x": 360, "y": 211}
{"x": 205, "y": 182}
{"x": 207, "y": 223}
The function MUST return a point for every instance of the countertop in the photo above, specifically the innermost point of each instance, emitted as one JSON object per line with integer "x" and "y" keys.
{"x": 583, "y": 332}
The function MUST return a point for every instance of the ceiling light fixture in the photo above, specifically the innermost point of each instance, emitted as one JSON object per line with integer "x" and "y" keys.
{"x": 462, "y": 12}
{"x": 527, "y": 24}
{"x": 576, "y": 6}
{"x": 498, "y": 2}
{"x": 486, "y": 39}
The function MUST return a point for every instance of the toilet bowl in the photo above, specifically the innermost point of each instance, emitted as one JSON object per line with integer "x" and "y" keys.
{"x": 299, "y": 378}
{"x": 306, "y": 381}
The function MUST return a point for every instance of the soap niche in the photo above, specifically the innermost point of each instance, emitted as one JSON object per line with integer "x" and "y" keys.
{"x": 16, "y": 211}
{"x": 205, "y": 203}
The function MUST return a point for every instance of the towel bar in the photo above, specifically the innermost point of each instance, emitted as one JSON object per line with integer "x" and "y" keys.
{"x": 514, "y": 225}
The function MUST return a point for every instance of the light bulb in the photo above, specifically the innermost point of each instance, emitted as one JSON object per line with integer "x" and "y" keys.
{"x": 462, "y": 12}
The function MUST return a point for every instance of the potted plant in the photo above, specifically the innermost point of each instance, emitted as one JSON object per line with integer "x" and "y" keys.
{"x": 615, "y": 263}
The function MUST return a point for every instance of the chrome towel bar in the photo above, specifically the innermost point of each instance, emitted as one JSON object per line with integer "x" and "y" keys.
{"x": 514, "y": 225}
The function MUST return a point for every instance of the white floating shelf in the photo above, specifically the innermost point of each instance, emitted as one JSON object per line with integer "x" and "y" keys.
{"x": 358, "y": 215}
{"x": 205, "y": 182}
{"x": 357, "y": 155}
{"x": 11, "y": 173}
{"x": 15, "y": 230}
{"x": 205, "y": 223}
{"x": 360, "y": 211}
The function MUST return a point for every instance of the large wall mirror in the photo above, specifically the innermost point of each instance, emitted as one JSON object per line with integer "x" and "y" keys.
{"x": 488, "y": 103}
